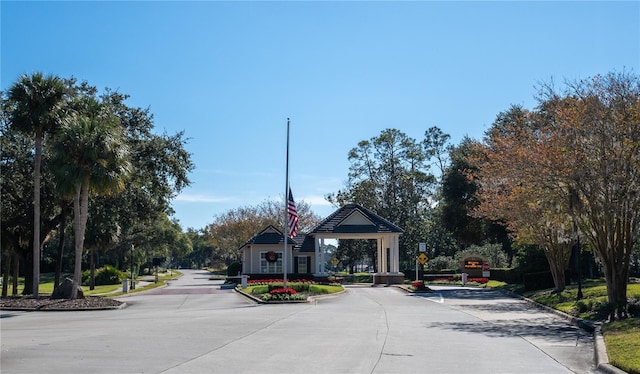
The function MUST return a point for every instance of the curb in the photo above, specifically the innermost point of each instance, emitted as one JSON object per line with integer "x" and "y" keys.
{"x": 601, "y": 357}
{"x": 250, "y": 297}
{"x": 42, "y": 309}
{"x": 310, "y": 299}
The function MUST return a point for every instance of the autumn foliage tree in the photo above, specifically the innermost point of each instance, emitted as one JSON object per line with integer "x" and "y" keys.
{"x": 519, "y": 184}
{"x": 598, "y": 122}
{"x": 231, "y": 229}
{"x": 573, "y": 160}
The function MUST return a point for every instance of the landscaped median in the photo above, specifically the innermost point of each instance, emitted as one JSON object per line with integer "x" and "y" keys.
{"x": 274, "y": 291}
{"x": 423, "y": 286}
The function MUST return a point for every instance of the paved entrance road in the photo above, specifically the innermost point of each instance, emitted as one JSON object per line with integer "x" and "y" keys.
{"x": 193, "y": 326}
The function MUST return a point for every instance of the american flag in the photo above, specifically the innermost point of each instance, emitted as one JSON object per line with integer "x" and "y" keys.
{"x": 292, "y": 213}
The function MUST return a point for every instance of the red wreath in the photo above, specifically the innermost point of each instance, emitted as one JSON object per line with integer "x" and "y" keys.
{"x": 271, "y": 256}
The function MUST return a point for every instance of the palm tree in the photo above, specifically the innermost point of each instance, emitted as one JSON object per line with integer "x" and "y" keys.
{"x": 37, "y": 107}
{"x": 91, "y": 154}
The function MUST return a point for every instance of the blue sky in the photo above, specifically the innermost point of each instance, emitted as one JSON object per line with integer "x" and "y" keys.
{"x": 229, "y": 74}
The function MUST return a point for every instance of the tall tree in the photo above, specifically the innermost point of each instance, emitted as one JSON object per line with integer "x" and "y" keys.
{"x": 16, "y": 184}
{"x": 575, "y": 159}
{"x": 389, "y": 175}
{"x": 458, "y": 199}
{"x": 597, "y": 122}
{"x": 92, "y": 153}
{"x": 202, "y": 254}
{"x": 517, "y": 186}
{"x": 436, "y": 145}
{"x": 37, "y": 108}
{"x": 162, "y": 163}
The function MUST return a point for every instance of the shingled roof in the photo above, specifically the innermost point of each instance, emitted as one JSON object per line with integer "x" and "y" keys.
{"x": 354, "y": 218}
{"x": 349, "y": 219}
{"x": 271, "y": 235}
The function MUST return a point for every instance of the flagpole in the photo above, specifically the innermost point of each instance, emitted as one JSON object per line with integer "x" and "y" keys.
{"x": 286, "y": 215}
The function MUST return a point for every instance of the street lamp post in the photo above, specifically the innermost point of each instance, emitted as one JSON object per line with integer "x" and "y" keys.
{"x": 133, "y": 283}
{"x": 580, "y": 295}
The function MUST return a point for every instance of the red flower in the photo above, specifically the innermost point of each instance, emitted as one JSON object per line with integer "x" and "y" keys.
{"x": 478, "y": 280}
{"x": 283, "y": 291}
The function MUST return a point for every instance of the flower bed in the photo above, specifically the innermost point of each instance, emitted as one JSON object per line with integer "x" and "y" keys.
{"x": 297, "y": 290}
{"x": 418, "y": 286}
{"x": 283, "y": 294}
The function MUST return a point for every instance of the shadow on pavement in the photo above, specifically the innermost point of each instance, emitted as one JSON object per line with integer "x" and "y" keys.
{"x": 553, "y": 331}
{"x": 514, "y": 322}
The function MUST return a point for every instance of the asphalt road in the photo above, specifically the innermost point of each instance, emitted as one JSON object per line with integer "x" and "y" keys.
{"x": 193, "y": 326}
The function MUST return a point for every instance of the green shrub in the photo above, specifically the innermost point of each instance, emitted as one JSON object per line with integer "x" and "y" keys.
{"x": 506, "y": 275}
{"x": 298, "y": 286}
{"x": 106, "y": 275}
{"x": 363, "y": 278}
{"x": 538, "y": 281}
{"x": 257, "y": 290}
{"x": 492, "y": 252}
{"x": 583, "y": 306}
{"x": 234, "y": 269}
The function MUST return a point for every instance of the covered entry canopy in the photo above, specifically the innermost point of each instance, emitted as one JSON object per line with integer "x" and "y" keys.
{"x": 353, "y": 221}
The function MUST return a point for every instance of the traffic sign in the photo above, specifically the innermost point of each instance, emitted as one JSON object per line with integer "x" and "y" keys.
{"x": 422, "y": 258}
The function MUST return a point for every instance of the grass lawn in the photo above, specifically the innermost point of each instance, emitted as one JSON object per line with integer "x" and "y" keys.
{"x": 594, "y": 295}
{"x": 46, "y": 285}
{"x": 622, "y": 338}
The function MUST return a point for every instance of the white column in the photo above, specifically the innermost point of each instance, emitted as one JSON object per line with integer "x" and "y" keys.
{"x": 385, "y": 261}
{"x": 380, "y": 268}
{"x": 392, "y": 255}
{"x": 323, "y": 270}
{"x": 316, "y": 244}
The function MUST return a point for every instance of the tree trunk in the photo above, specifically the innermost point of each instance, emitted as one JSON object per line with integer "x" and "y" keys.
{"x": 92, "y": 261}
{"x": 36, "y": 214}
{"x": 28, "y": 273}
{"x": 63, "y": 222}
{"x": 7, "y": 270}
{"x": 559, "y": 280}
{"x": 616, "y": 278}
{"x": 80, "y": 211}
{"x": 16, "y": 273}
{"x": 557, "y": 258}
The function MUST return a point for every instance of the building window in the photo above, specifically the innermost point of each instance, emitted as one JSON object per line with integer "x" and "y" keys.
{"x": 270, "y": 266}
{"x": 303, "y": 265}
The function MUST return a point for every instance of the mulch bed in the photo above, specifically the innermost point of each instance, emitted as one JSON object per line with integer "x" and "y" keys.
{"x": 44, "y": 303}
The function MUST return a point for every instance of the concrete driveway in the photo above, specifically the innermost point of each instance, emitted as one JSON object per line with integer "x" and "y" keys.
{"x": 194, "y": 326}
